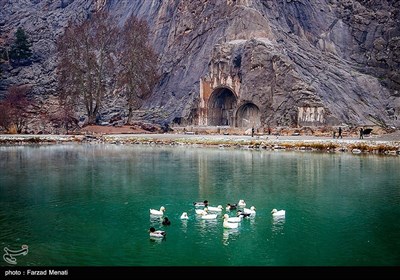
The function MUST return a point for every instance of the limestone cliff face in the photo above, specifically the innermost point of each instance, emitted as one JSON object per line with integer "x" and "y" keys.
{"x": 246, "y": 62}
{"x": 262, "y": 63}
{"x": 43, "y": 22}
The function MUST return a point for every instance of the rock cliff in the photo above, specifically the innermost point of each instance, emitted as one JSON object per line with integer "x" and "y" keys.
{"x": 246, "y": 62}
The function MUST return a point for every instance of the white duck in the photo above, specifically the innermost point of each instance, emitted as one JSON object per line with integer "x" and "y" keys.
{"x": 233, "y": 219}
{"x": 241, "y": 203}
{"x": 215, "y": 209}
{"x": 157, "y": 233}
{"x": 201, "y": 211}
{"x": 184, "y": 216}
{"x": 228, "y": 224}
{"x": 209, "y": 216}
{"x": 251, "y": 210}
{"x": 158, "y": 212}
{"x": 276, "y": 213}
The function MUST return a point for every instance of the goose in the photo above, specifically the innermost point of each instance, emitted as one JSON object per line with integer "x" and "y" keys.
{"x": 241, "y": 203}
{"x": 184, "y": 216}
{"x": 201, "y": 211}
{"x": 157, "y": 233}
{"x": 166, "y": 221}
{"x": 200, "y": 204}
{"x": 158, "y": 212}
{"x": 276, "y": 213}
{"x": 214, "y": 209}
{"x": 251, "y": 211}
{"x": 227, "y": 224}
{"x": 230, "y": 207}
{"x": 233, "y": 219}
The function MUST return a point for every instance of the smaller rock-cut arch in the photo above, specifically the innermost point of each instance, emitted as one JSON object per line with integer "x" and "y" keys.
{"x": 221, "y": 107}
{"x": 248, "y": 115}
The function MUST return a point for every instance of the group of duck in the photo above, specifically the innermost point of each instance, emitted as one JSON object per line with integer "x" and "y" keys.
{"x": 207, "y": 212}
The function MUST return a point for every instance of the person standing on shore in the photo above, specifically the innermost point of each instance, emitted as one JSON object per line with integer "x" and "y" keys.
{"x": 340, "y": 133}
{"x": 361, "y": 133}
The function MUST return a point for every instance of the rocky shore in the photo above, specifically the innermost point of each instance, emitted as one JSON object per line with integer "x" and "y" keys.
{"x": 385, "y": 145}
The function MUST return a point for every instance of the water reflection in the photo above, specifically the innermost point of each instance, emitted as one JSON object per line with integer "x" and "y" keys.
{"x": 184, "y": 225}
{"x": 278, "y": 224}
{"x": 206, "y": 224}
{"x": 231, "y": 233}
{"x": 157, "y": 239}
{"x": 155, "y": 220}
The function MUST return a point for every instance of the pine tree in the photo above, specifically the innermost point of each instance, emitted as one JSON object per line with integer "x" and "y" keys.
{"x": 21, "y": 48}
{"x": 2, "y": 60}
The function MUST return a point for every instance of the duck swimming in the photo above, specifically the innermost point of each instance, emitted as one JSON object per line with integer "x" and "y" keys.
{"x": 240, "y": 213}
{"x": 241, "y": 203}
{"x": 201, "y": 211}
{"x": 166, "y": 221}
{"x": 209, "y": 216}
{"x": 237, "y": 219}
{"x": 215, "y": 209}
{"x": 230, "y": 207}
{"x": 251, "y": 210}
{"x": 184, "y": 216}
{"x": 227, "y": 224}
{"x": 158, "y": 212}
{"x": 201, "y": 204}
{"x": 276, "y": 213}
{"x": 157, "y": 233}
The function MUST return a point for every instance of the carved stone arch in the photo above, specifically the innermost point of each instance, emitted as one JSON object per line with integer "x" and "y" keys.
{"x": 248, "y": 115}
{"x": 221, "y": 106}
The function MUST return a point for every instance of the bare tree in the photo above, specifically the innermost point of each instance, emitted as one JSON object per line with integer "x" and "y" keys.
{"x": 64, "y": 117}
{"x": 138, "y": 63}
{"x": 86, "y": 63}
{"x": 97, "y": 56}
{"x": 14, "y": 109}
{"x": 5, "y": 120}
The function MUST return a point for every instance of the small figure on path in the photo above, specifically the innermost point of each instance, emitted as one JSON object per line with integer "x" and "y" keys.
{"x": 361, "y": 133}
{"x": 252, "y": 131}
{"x": 340, "y": 133}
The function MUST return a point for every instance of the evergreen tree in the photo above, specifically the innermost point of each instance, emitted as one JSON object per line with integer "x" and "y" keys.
{"x": 21, "y": 48}
{"x": 2, "y": 60}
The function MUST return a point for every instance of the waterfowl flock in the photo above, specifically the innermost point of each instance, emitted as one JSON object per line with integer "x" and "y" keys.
{"x": 205, "y": 211}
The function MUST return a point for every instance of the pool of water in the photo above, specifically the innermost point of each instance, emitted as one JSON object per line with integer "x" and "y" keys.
{"x": 88, "y": 205}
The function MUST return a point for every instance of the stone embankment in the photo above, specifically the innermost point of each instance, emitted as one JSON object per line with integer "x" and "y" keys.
{"x": 371, "y": 145}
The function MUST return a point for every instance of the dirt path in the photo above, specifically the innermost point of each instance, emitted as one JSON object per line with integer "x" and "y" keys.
{"x": 128, "y": 129}
{"x": 99, "y": 129}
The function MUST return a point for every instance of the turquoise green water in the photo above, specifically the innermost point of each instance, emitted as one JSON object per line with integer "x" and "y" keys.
{"x": 88, "y": 205}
